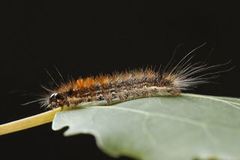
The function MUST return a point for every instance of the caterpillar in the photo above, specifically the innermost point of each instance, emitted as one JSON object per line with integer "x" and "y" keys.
{"x": 124, "y": 86}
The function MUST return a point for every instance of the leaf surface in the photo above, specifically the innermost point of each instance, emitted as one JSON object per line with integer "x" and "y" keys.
{"x": 169, "y": 128}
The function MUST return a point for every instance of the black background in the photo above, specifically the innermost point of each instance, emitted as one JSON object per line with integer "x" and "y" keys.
{"x": 91, "y": 37}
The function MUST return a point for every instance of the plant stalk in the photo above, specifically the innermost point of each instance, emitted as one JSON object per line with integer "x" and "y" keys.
{"x": 29, "y": 122}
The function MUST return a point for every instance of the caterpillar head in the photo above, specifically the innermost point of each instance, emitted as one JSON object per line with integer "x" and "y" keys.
{"x": 56, "y": 99}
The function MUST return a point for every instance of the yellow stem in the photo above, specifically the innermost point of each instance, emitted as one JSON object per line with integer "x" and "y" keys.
{"x": 28, "y": 122}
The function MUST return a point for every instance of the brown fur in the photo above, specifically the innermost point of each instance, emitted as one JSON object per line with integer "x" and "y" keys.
{"x": 119, "y": 86}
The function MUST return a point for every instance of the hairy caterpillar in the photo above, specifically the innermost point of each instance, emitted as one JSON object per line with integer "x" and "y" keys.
{"x": 119, "y": 87}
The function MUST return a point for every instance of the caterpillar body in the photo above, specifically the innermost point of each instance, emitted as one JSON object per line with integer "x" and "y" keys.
{"x": 119, "y": 87}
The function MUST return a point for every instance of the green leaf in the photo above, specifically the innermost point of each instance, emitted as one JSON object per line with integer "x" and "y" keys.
{"x": 161, "y": 128}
